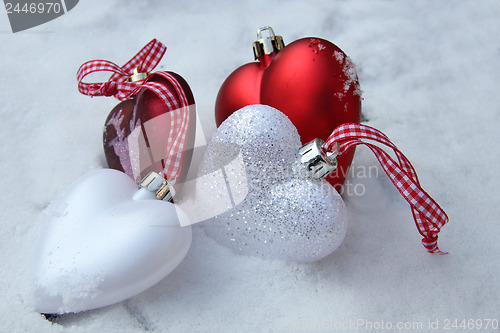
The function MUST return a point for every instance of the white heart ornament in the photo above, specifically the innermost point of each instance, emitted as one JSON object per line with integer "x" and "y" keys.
{"x": 105, "y": 241}
{"x": 285, "y": 213}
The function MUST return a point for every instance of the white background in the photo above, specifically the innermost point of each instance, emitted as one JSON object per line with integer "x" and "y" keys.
{"x": 430, "y": 72}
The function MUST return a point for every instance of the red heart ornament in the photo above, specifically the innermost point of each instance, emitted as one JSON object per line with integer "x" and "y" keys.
{"x": 311, "y": 81}
{"x": 136, "y": 130}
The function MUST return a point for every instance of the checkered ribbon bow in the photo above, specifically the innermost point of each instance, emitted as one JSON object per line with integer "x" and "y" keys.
{"x": 119, "y": 86}
{"x": 428, "y": 215}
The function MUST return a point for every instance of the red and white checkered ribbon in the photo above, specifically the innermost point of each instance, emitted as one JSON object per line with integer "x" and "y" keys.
{"x": 428, "y": 215}
{"x": 118, "y": 86}
{"x": 179, "y": 122}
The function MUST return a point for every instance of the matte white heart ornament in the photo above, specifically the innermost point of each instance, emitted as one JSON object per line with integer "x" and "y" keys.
{"x": 105, "y": 241}
{"x": 285, "y": 213}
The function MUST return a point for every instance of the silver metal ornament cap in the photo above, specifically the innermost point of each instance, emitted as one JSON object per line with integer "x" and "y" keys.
{"x": 267, "y": 45}
{"x": 318, "y": 162}
{"x": 154, "y": 182}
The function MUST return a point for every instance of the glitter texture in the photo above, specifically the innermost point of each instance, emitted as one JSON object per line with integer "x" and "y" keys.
{"x": 285, "y": 214}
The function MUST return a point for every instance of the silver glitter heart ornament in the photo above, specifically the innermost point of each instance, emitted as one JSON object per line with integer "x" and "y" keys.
{"x": 275, "y": 209}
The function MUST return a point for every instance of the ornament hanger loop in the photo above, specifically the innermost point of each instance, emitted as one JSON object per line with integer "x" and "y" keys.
{"x": 261, "y": 29}
{"x": 137, "y": 76}
{"x": 267, "y": 45}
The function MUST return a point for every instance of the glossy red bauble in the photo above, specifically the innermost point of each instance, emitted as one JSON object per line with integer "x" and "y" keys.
{"x": 311, "y": 80}
{"x": 136, "y": 130}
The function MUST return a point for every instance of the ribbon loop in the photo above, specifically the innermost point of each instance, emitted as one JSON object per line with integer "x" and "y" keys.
{"x": 428, "y": 215}
{"x": 145, "y": 60}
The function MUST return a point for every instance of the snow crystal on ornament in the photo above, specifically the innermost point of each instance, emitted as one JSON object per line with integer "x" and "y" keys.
{"x": 283, "y": 213}
{"x": 339, "y": 56}
{"x": 350, "y": 72}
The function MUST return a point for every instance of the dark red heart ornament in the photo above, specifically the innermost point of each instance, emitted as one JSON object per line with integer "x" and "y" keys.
{"x": 311, "y": 80}
{"x": 136, "y": 130}
{"x": 153, "y": 128}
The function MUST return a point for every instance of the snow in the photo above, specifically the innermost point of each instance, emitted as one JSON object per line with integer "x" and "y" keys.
{"x": 429, "y": 75}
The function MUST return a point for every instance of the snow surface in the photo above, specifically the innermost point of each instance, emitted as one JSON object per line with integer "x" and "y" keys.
{"x": 430, "y": 75}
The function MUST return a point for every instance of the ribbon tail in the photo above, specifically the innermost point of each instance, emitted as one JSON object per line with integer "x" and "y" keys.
{"x": 431, "y": 246}
{"x": 428, "y": 215}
